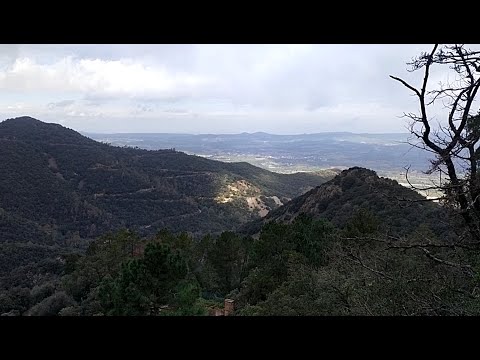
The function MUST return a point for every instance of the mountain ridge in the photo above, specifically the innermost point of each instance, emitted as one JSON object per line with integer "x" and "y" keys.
{"x": 397, "y": 208}
{"x": 72, "y": 187}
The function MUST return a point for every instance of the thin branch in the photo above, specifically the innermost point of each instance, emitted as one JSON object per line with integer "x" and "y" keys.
{"x": 358, "y": 261}
{"x": 406, "y": 84}
{"x": 448, "y": 263}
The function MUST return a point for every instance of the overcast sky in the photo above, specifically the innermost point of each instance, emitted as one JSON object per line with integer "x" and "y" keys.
{"x": 282, "y": 89}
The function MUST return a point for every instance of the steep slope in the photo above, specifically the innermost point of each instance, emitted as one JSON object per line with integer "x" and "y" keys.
{"x": 58, "y": 186}
{"x": 399, "y": 209}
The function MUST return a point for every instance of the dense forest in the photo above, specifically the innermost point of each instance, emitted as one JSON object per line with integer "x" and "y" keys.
{"x": 306, "y": 267}
{"x": 368, "y": 263}
{"x": 89, "y": 229}
{"x": 60, "y": 190}
{"x": 59, "y": 187}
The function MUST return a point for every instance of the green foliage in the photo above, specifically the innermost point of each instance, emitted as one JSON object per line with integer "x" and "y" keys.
{"x": 305, "y": 240}
{"x": 344, "y": 248}
{"x": 385, "y": 205}
{"x": 362, "y": 272}
{"x": 104, "y": 258}
{"x": 59, "y": 190}
{"x": 145, "y": 285}
{"x": 70, "y": 262}
{"x": 307, "y": 267}
{"x": 188, "y": 299}
{"x": 16, "y": 299}
{"x": 222, "y": 262}
{"x": 40, "y": 292}
{"x": 59, "y": 187}
{"x": 52, "y": 305}
{"x": 363, "y": 223}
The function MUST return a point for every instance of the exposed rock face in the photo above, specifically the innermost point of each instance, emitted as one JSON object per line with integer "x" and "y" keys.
{"x": 251, "y": 195}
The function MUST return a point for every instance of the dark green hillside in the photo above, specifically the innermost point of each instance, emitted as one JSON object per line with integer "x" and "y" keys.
{"x": 351, "y": 246}
{"x": 57, "y": 186}
{"x": 399, "y": 209}
{"x": 304, "y": 267}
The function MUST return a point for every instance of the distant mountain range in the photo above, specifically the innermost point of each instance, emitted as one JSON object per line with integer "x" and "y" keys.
{"x": 289, "y": 153}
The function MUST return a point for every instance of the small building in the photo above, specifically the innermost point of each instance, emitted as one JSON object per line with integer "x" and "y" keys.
{"x": 228, "y": 309}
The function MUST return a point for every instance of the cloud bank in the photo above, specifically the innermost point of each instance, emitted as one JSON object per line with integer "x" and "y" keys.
{"x": 209, "y": 88}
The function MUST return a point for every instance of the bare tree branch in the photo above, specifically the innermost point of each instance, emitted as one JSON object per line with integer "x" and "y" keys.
{"x": 448, "y": 263}
{"x": 455, "y": 146}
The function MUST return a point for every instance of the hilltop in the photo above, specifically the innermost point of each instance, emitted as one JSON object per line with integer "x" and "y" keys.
{"x": 398, "y": 209}
{"x": 59, "y": 187}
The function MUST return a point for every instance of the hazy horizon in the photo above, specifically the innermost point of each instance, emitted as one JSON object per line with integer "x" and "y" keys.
{"x": 212, "y": 133}
{"x": 244, "y": 132}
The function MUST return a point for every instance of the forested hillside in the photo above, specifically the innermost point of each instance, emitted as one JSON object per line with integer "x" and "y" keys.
{"x": 355, "y": 260}
{"x": 400, "y": 209}
{"x": 60, "y": 190}
{"x": 59, "y": 187}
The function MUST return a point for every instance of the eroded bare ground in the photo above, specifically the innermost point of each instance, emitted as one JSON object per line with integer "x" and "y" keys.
{"x": 246, "y": 192}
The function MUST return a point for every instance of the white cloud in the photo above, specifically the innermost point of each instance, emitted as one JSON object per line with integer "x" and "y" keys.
{"x": 275, "y": 88}
{"x": 102, "y": 77}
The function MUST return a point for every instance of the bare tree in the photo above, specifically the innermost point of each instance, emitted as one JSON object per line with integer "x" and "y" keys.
{"x": 453, "y": 141}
